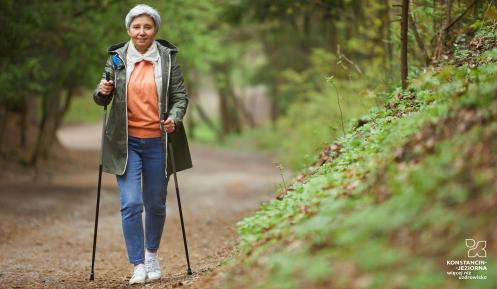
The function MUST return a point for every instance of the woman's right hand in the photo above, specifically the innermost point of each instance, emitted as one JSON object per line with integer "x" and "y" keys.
{"x": 105, "y": 87}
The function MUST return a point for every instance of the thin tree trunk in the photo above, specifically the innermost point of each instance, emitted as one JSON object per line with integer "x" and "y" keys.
{"x": 193, "y": 95}
{"x": 203, "y": 115}
{"x": 50, "y": 109}
{"x": 476, "y": 9}
{"x": 236, "y": 125}
{"x": 24, "y": 128}
{"x": 21, "y": 108}
{"x": 3, "y": 124}
{"x": 272, "y": 83}
{"x": 41, "y": 131}
{"x": 306, "y": 30}
{"x": 389, "y": 44}
{"x": 220, "y": 82}
{"x": 449, "y": 11}
{"x": 448, "y": 16}
{"x": 249, "y": 118}
{"x": 403, "y": 43}
{"x": 274, "y": 109}
{"x": 230, "y": 121}
{"x": 419, "y": 40}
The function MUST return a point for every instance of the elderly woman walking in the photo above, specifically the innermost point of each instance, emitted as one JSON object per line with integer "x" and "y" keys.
{"x": 146, "y": 82}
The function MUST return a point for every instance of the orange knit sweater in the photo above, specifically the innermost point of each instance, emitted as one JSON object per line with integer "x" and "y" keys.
{"x": 143, "y": 105}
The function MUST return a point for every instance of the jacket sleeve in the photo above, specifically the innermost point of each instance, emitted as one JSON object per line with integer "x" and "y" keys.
{"x": 178, "y": 99}
{"x": 100, "y": 99}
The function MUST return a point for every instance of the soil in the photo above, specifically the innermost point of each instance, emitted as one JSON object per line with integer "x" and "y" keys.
{"x": 47, "y": 217}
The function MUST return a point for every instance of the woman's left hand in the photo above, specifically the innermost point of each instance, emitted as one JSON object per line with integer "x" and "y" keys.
{"x": 168, "y": 125}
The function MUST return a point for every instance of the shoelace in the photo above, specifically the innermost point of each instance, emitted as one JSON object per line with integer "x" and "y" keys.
{"x": 152, "y": 265}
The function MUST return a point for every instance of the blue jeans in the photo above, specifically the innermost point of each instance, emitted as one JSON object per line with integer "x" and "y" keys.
{"x": 145, "y": 159}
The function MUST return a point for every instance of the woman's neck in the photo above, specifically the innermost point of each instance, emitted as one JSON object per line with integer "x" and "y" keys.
{"x": 142, "y": 50}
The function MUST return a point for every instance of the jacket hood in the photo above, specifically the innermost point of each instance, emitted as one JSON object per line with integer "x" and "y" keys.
{"x": 162, "y": 43}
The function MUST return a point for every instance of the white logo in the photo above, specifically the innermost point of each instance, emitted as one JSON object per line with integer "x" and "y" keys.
{"x": 476, "y": 249}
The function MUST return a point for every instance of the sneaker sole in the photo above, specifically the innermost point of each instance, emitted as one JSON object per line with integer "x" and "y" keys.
{"x": 152, "y": 279}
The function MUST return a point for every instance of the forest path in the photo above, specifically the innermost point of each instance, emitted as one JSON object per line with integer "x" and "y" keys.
{"x": 46, "y": 224}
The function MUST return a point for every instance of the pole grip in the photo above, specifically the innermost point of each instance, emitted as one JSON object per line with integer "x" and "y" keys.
{"x": 107, "y": 77}
{"x": 164, "y": 117}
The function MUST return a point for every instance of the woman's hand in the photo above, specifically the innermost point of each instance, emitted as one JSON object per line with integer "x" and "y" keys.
{"x": 168, "y": 125}
{"x": 105, "y": 87}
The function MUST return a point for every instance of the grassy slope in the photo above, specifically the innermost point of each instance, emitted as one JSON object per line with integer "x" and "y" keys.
{"x": 396, "y": 197}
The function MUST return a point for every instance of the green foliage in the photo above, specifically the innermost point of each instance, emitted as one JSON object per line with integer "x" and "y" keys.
{"x": 51, "y": 44}
{"x": 313, "y": 116}
{"x": 398, "y": 199}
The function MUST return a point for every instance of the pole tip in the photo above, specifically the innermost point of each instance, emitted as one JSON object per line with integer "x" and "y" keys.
{"x": 189, "y": 271}
{"x": 92, "y": 276}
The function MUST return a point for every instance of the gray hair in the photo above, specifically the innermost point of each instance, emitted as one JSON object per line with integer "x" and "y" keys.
{"x": 142, "y": 9}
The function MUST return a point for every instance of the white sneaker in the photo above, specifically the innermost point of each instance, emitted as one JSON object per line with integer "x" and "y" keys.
{"x": 139, "y": 275}
{"x": 152, "y": 266}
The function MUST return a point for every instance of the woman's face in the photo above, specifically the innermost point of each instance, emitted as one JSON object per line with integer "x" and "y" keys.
{"x": 142, "y": 32}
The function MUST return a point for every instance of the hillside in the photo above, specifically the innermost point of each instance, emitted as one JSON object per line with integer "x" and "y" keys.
{"x": 391, "y": 204}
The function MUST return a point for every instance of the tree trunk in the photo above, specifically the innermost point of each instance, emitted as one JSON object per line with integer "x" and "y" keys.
{"x": 448, "y": 16}
{"x": 275, "y": 109}
{"x": 388, "y": 31}
{"x": 22, "y": 109}
{"x": 306, "y": 30}
{"x": 230, "y": 121}
{"x": 206, "y": 118}
{"x": 193, "y": 96}
{"x": 46, "y": 128}
{"x": 249, "y": 118}
{"x": 476, "y": 9}
{"x": 3, "y": 123}
{"x": 234, "y": 106}
{"x": 403, "y": 43}
{"x": 24, "y": 129}
{"x": 38, "y": 149}
{"x": 419, "y": 40}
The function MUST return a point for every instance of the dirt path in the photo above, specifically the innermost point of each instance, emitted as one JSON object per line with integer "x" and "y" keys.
{"x": 46, "y": 223}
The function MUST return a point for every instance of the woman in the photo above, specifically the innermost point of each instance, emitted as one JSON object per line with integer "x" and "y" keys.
{"x": 146, "y": 82}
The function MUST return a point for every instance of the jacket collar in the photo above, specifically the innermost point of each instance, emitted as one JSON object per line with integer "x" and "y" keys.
{"x": 164, "y": 47}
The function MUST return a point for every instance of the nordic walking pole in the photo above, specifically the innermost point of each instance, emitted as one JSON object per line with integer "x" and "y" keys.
{"x": 173, "y": 164}
{"x": 92, "y": 273}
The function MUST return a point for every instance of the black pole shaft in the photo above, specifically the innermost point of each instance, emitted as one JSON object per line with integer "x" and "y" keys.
{"x": 189, "y": 270}
{"x": 97, "y": 209}
{"x": 173, "y": 165}
{"x": 95, "y": 230}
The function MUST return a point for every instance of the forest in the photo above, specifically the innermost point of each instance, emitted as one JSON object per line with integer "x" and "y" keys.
{"x": 340, "y": 51}
{"x": 380, "y": 116}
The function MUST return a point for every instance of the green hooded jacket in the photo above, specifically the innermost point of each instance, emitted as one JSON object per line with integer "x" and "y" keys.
{"x": 173, "y": 100}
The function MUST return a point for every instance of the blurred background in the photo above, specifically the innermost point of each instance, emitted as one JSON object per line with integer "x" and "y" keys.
{"x": 265, "y": 74}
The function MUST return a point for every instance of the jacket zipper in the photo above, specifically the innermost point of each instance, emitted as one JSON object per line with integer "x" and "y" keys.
{"x": 126, "y": 108}
{"x": 167, "y": 101}
{"x": 126, "y": 105}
